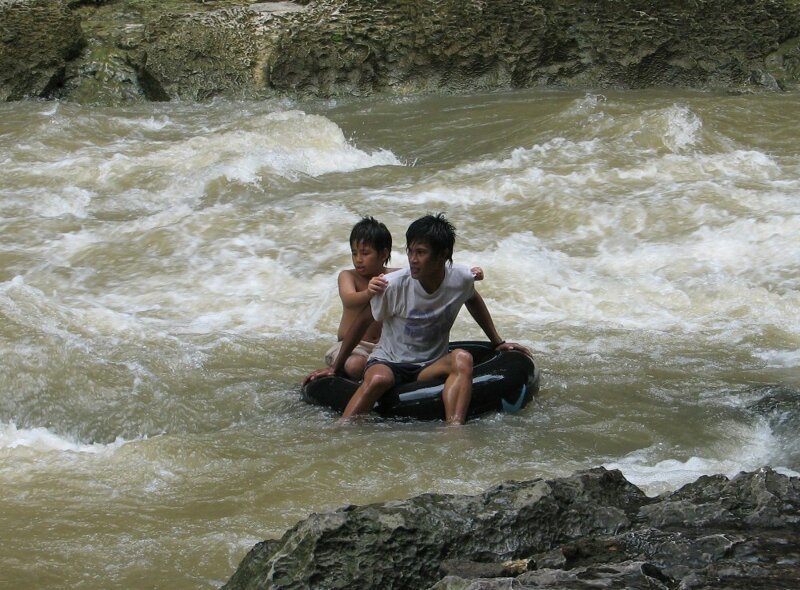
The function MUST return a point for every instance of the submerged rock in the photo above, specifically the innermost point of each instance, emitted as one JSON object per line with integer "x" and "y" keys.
{"x": 593, "y": 529}
{"x": 111, "y": 51}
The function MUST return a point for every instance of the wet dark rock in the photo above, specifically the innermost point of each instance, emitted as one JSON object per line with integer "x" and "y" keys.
{"x": 779, "y": 407}
{"x": 593, "y": 529}
{"x": 197, "y": 50}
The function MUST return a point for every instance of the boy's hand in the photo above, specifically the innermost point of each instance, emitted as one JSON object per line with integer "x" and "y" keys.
{"x": 514, "y": 346}
{"x": 477, "y": 273}
{"x": 326, "y": 372}
{"x": 377, "y": 285}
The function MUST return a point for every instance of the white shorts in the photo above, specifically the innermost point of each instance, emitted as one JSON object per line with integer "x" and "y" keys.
{"x": 363, "y": 348}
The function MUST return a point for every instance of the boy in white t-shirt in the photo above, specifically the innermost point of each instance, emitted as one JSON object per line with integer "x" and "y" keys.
{"x": 418, "y": 306}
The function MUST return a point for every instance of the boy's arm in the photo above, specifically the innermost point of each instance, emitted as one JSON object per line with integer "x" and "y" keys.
{"x": 353, "y": 336}
{"x": 476, "y": 307}
{"x": 351, "y": 297}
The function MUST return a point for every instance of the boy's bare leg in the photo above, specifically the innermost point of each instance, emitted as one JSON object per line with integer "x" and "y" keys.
{"x": 377, "y": 380}
{"x": 457, "y": 393}
{"x": 354, "y": 366}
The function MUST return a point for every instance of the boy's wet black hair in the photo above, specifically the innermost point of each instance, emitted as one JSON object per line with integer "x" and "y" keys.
{"x": 439, "y": 233}
{"x": 373, "y": 233}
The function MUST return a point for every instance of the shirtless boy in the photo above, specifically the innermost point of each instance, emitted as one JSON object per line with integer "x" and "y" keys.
{"x": 371, "y": 249}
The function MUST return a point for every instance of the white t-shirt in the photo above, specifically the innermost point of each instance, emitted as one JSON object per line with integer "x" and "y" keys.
{"x": 416, "y": 324}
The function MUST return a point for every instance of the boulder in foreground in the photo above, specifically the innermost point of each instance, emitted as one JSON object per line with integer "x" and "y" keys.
{"x": 593, "y": 528}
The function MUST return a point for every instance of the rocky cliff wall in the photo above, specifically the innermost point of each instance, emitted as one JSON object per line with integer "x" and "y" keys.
{"x": 112, "y": 51}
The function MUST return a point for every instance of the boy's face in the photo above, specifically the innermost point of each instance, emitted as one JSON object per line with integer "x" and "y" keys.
{"x": 367, "y": 261}
{"x": 422, "y": 262}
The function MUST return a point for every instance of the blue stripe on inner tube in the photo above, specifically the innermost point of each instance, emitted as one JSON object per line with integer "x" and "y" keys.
{"x": 425, "y": 392}
{"x": 511, "y": 408}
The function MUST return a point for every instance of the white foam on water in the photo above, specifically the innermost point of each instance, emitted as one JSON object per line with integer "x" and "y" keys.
{"x": 253, "y": 282}
{"x": 154, "y": 164}
{"x": 244, "y": 283}
{"x": 29, "y": 306}
{"x": 286, "y": 144}
{"x": 255, "y": 295}
{"x": 780, "y": 359}
{"x": 146, "y": 124}
{"x": 43, "y": 440}
{"x": 682, "y": 128}
{"x": 69, "y": 200}
{"x": 672, "y": 129}
{"x": 554, "y": 151}
{"x": 744, "y": 449}
{"x": 641, "y": 285}
{"x": 587, "y": 104}
{"x": 662, "y": 244}
{"x": 573, "y": 169}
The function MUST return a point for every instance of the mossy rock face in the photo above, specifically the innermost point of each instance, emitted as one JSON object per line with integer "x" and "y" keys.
{"x": 115, "y": 51}
{"x": 37, "y": 40}
{"x": 784, "y": 65}
{"x": 199, "y": 58}
{"x": 363, "y": 47}
{"x": 411, "y": 47}
{"x": 187, "y": 49}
